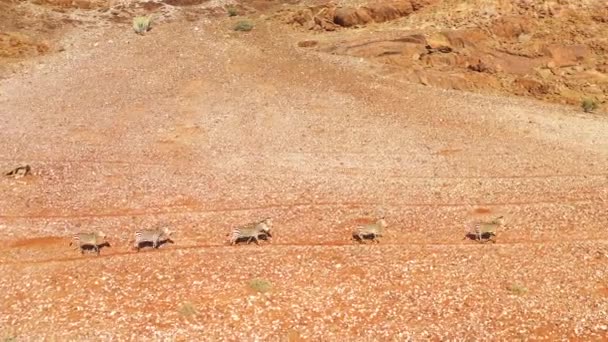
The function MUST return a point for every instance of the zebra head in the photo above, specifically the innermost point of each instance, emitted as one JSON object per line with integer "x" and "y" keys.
{"x": 265, "y": 226}
{"x": 500, "y": 220}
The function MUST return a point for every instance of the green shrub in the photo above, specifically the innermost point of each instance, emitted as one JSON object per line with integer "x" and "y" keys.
{"x": 243, "y": 25}
{"x": 142, "y": 24}
{"x": 589, "y": 105}
{"x": 232, "y": 12}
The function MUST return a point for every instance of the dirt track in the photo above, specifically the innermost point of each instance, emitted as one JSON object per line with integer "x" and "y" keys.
{"x": 201, "y": 128}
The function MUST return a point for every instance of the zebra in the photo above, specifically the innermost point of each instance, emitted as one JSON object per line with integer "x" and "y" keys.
{"x": 154, "y": 236}
{"x": 484, "y": 231}
{"x": 251, "y": 231}
{"x": 20, "y": 171}
{"x": 370, "y": 231}
{"x": 93, "y": 239}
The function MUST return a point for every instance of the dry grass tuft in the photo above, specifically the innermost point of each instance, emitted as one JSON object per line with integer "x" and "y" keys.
{"x": 260, "y": 285}
{"x": 244, "y": 26}
{"x": 232, "y": 12}
{"x": 142, "y": 24}
{"x": 187, "y": 310}
{"x": 517, "y": 289}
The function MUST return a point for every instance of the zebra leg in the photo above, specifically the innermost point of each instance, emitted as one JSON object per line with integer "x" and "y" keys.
{"x": 97, "y": 249}
{"x": 255, "y": 238}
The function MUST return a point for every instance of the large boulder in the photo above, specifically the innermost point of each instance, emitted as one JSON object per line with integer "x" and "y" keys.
{"x": 389, "y": 10}
{"x": 378, "y": 12}
{"x": 349, "y": 16}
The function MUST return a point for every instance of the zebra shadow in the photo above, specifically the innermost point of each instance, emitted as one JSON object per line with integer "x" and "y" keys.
{"x": 248, "y": 239}
{"x": 485, "y": 237}
{"x": 145, "y": 244}
{"x": 365, "y": 237}
{"x": 94, "y": 248}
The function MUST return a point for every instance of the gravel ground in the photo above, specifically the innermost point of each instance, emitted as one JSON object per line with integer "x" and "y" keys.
{"x": 201, "y": 128}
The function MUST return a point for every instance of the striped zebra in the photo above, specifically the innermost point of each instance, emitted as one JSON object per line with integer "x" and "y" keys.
{"x": 154, "y": 236}
{"x": 92, "y": 240}
{"x": 370, "y": 231}
{"x": 252, "y": 231}
{"x": 20, "y": 171}
{"x": 481, "y": 231}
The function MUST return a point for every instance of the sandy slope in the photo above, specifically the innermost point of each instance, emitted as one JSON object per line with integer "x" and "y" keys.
{"x": 201, "y": 128}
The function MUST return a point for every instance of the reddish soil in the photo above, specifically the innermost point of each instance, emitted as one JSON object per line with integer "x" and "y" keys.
{"x": 201, "y": 128}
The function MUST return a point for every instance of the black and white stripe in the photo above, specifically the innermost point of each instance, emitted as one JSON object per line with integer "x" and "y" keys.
{"x": 370, "y": 231}
{"x": 92, "y": 240}
{"x": 154, "y": 236}
{"x": 484, "y": 231}
{"x": 252, "y": 231}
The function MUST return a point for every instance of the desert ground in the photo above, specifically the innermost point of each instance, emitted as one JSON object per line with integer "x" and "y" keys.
{"x": 201, "y": 128}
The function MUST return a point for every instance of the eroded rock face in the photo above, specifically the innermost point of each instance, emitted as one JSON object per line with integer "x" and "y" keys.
{"x": 552, "y": 51}
{"x": 349, "y": 16}
{"x": 567, "y": 55}
{"x": 329, "y": 17}
{"x": 511, "y": 27}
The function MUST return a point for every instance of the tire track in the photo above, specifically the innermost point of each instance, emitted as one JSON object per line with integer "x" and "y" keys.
{"x": 298, "y": 205}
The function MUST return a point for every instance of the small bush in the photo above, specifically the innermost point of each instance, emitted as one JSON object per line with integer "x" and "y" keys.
{"x": 10, "y": 338}
{"x": 589, "y": 105}
{"x": 232, "y": 12}
{"x": 187, "y": 310}
{"x": 517, "y": 289}
{"x": 243, "y": 26}
{"x": 260, "y": 285}
{"x": 142, "y": 24}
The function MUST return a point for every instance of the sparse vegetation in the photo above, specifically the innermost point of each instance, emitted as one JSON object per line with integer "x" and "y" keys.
{"x": 142, "y": 24}
{"x": 589, "y": 105}
{"x": 517, "y": 289}
{"x": 293, "y": 336}
{"x": 243, "y": 25}
{"x": 187, "y": 310}
{"x": 232, "y": 12}
{"x": 9, "y": 336}
{"x": 260, "y": 285}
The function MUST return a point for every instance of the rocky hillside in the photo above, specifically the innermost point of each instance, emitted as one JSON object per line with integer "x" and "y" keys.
{"x": 306, "y": 116}
{"x": 550, "y": 50}
{"x": 554, "y": 51}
